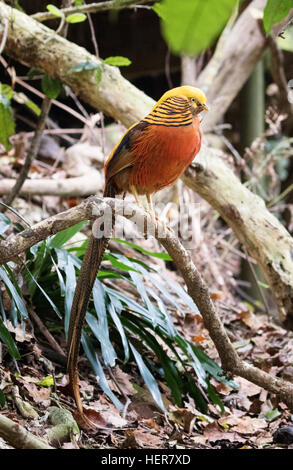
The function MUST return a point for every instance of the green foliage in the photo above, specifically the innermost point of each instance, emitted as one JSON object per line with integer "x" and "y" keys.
{"x": 76, "y": 18}
{"x": 275, "y": 11}
{"x": 6, "y": 338}
{"x": 189, "y": 26}
{"x": 117, "y": 61}
{"x": 54, "y": 10}
{"x": 7, "y": 127}
{"x": 20, "y": 98}
{"x": 86, "y": 66}
{"x": 122, "y": 327}
{"x": 163, "y": 256}
{"x": 51, "y": 86}
{"x": 3, "y": 402}
{"x": 46, "y": 382}
{"x": 286, "y": 41}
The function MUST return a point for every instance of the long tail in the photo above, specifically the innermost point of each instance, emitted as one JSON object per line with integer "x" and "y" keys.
{"x": 87, "y": 276}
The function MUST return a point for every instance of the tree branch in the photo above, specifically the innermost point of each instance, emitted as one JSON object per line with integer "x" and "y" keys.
{"x": 36, "y": 45}
{"x": 91, "y": 8}
{"x": 31, "y": 154}
{"x": 264, "y": 237}
{"x": 80, "y": 186}
{"x": 17, "y": 436}
{"x": 16, "y": 244}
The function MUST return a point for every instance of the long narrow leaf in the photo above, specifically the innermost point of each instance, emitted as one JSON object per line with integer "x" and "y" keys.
{"x": 14, "y": 294}
{"x": 163, "y": 256}
{"x": 45, "y": 294}
{"x": 98, "y": 370}
{"x": 149, "y": 379}
{"x": 100, "y": 327}
{"x": 117, "y": 322}
{"x": 171, "y": 373}
{"x": 62, "y": 237}
{"x": 7, "y": 339}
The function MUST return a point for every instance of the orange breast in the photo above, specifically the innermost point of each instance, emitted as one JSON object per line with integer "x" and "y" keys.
{"x": 162, "y": 154}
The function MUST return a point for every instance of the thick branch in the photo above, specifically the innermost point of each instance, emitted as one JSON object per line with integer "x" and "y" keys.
{"x": 85, "y": 185}
{"x": 19, "y": 437}
{"x": 236, "y": 64}
{"x": 197, "y": 288}
{"x": 16, "y": 244}
{"x": 35, "y": 45}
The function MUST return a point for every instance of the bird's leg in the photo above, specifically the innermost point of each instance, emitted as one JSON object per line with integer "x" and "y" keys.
{"x": 134, "y": 192}
{"x": 150, "y": 207}
{"x": 153, "y": 215}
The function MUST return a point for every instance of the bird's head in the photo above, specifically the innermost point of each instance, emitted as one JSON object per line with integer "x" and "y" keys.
{"x": 195, "y": 96}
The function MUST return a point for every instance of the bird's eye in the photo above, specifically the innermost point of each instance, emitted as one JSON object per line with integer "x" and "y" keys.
{"x": 193, "y": 100}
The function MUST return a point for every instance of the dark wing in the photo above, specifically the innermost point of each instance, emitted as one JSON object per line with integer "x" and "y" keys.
{"x": 121, "y": 156}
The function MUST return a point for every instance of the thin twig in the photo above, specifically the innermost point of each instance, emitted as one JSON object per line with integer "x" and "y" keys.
{"x": 40, "y": 94}
{"x": 91, "y": 8}
{"x": 257, "y": 283}
{"x": 31, "y": 154}
{"x": 46, "y": 333}
{"x": 93, "y": 35}
{"x": 36, "y": 141}
{"x": 167, "y": 69}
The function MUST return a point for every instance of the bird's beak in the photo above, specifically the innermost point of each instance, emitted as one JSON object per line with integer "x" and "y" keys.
{"x": 200, "y": 108}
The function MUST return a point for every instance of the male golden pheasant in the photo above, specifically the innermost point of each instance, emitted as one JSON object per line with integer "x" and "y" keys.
{"x": 151, "y": 155}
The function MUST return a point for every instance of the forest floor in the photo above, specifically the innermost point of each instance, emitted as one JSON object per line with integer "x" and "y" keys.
{"x": 251, "y": 417}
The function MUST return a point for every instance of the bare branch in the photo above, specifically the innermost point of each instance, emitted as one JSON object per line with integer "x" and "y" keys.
{"x": 16, "y": 244}
{"x": 91, "y": 8}
{"x": 31, "y": 154}
{"x": 17, "y": 436}
{"x": 35, "y": 45}
{"x": 264, "y": 237}
{"x": 80, "y": 186}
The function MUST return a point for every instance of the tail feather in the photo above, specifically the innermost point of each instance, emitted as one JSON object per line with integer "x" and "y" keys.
{"x": 87, "y": 276}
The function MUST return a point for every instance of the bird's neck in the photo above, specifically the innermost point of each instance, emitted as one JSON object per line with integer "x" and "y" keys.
{"x": 174, "y": 111}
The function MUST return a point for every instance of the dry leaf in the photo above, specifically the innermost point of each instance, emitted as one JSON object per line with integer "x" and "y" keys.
{"x": 217, "y": 295}
{"x": 213, "y": 434}
{"x": 244, "y": 425}
{"x": 124, "y": 384}
{"x": 38, "y": 394}
{"x": 247, "y": 388}
{"x": 137, "y": 439}
{"x": 110, "y": 413}
{"x": 20, "y": 334}
{"x": 151, "y": 423}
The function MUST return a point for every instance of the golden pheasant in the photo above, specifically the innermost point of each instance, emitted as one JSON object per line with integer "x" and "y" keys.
{"x": 151, "y": 155}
